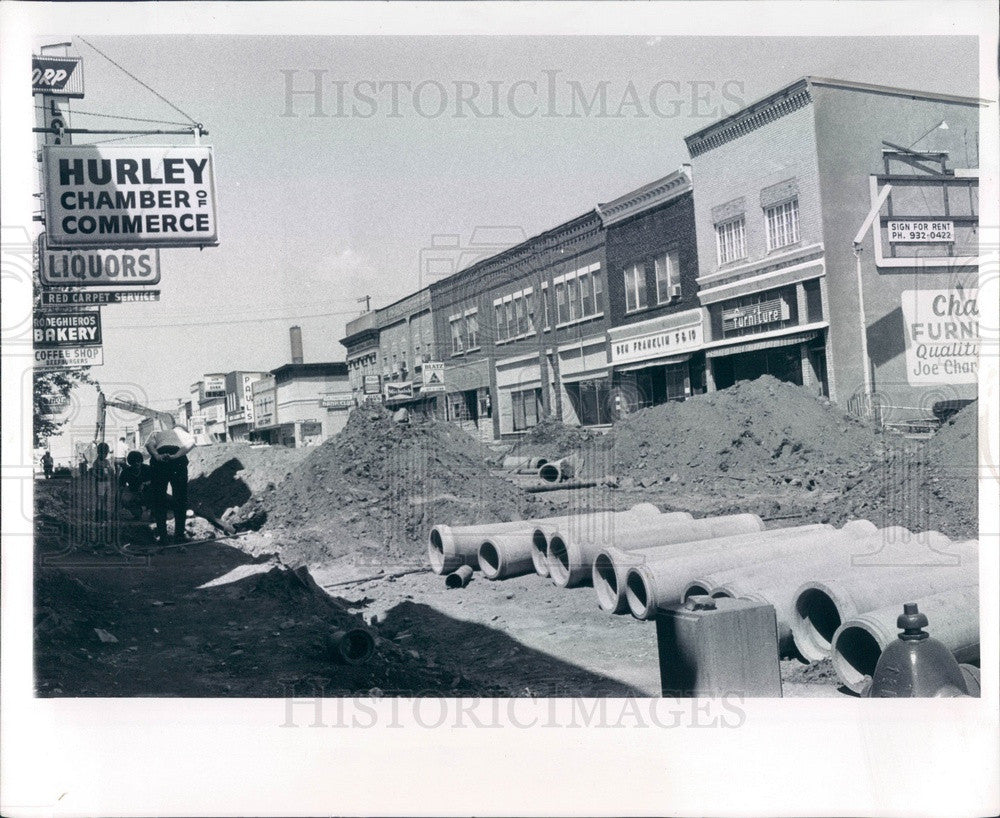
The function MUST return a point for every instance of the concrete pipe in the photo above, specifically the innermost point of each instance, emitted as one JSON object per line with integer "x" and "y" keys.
{"x": 662, "y": 578}
{"x": 601, "y": 521}
{"x": 823, "y": 603}
{"x": 353, "y": 646}
{"x": 517, "y": 462}
{"x": 953, "y": 619}
{"x": 571, "y": 558}
{"x": 556, "y": 471}
{"x": 611, "y": 565}
{"x": 449, "y": 547}
{"x": 459, "y": 578}
{"x": 829, "y": 551}
{"x": 506, "y": 555}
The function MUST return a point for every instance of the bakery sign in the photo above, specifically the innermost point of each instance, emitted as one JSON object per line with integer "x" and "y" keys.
{"x": 759, "y": 314}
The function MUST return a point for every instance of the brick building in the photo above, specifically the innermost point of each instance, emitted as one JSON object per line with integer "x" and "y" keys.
{"x": 656, "y": 325}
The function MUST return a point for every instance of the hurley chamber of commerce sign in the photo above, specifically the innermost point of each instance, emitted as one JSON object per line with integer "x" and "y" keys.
{"x": 120, "y": 197}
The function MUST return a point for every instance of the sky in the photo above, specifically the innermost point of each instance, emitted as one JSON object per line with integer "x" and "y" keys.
{"x": 316, "y": 212}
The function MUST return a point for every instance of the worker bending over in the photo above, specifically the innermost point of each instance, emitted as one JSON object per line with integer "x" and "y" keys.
{"x": 135, "y": 486}
{"x": 168, "y": 450}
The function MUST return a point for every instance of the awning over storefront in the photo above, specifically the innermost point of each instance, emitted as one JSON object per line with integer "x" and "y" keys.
{"x": 590, "y": 375}
{"x": 668, "y": 361}
{"x": 755, "y": 346}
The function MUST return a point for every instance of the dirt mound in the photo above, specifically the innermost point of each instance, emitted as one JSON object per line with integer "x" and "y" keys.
{"x": 921, "y": 485}
{"x": 375, "y": 489}
{"x": 224, "y": 475}
{"x": 552, "y": 439}
{"x": 757, "y": 433}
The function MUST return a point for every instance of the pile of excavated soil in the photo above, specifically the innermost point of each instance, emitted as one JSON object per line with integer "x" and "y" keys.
{"x": 922, "y": 485}
{"x": 375, "y": 489}
{"x": 754, "y": 435}
{"x": 225, "y": 475}
{"x": 552, "y": 439}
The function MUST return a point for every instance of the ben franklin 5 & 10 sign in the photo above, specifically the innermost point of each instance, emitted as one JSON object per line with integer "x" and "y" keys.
{"x": 129, "y": 196}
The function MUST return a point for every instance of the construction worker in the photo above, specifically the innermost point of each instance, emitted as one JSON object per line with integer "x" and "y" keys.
{"x": 135, "y": 485}
{"x": 47, "y": 465}
{"x": 121, "y": 452}
{"x": 168, "y": 450}
{"x": 102, "y": 473}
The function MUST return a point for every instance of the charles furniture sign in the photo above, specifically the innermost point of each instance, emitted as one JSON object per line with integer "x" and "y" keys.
{"x": 139, "y": 196}
{"x": 942, "y": 336}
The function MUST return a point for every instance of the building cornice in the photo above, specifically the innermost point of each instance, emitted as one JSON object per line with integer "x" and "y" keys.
{"x": 645, "y": 198}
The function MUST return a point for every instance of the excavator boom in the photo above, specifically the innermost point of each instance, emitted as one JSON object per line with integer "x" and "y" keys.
{"x": 164, "y": 418}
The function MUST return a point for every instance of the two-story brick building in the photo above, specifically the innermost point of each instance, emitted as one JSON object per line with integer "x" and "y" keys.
{"x": 527, "y": 333}
{"x": 656, "y": 324}
{"x": 785, "y": 187}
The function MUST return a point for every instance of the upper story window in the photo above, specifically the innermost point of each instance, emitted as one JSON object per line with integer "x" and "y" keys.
{"x": 731, "y": 240}
{"x": 667, "y": 277}
{"x": 514, "y": 315}
{"x": 472, "y": 328}
{"x": 545, "y": 306}
{"x": 579, "y": 295}
{"x": 635, "y": 287}
{"x": 457, "y": 340}
{"x": 782, "y": 224}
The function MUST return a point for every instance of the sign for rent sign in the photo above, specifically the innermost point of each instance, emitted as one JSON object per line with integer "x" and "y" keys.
{"x": 122, "y": 197}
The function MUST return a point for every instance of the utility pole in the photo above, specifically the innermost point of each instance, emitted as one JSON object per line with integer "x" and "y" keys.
{"x": 367, "y": 299}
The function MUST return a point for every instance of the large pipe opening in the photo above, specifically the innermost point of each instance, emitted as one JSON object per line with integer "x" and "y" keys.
{"x": 695, "y": 589}
{"x": 489, "y": 559}
{"x": 353, "y": 646}
{"x": 558, "y": 560}
{"x": 819, "y": 619}
{"x": 549, "y": 473}
{"x": 435, "y": 551}
{"x": 855, "y": 654}
{"x": 637, "y": 595}
{"x": 605, "y": 582}
{"x": 539, "y": 550}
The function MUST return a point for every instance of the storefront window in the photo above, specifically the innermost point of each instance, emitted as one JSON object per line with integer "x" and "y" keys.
{"x": 591, "y": 401}
{"x": 526, "y": 408}
{"x": 635, "y": 287}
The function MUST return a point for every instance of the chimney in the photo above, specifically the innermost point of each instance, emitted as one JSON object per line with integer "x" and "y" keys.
{"x": 296, "y": 336}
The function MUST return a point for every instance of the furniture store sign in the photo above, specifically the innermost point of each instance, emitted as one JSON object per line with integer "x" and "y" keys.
{"x": 640, "y": 342}
{"x": 120, "y": 197}
{"x": 759, "y": 314}
{"x": 942, "y": 336}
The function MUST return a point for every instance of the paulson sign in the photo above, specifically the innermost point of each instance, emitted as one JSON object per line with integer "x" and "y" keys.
{"x": 129, "y": 197}
{"x": 942, "y": 336}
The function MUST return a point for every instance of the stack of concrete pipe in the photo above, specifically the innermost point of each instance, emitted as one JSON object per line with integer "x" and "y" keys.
{"x": 825, "y": 600}
{"x": 663, "y": 576}
{"x": 571, "y": 555}
{"x": 953, "y": 619}
{"x": 450, "y": 547}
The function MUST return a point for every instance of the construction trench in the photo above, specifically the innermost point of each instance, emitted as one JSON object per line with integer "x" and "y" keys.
{"x": 754, "y": 541}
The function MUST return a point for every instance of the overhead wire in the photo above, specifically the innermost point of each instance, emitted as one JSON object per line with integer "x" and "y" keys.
{"x": 120, "y": 116}
{"x": 145, "y": 85}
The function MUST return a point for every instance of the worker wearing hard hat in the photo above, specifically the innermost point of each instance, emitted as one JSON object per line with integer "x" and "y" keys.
{"x": 168, "y": 450}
